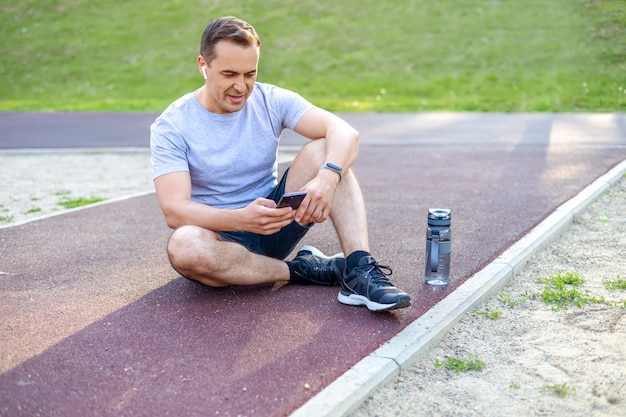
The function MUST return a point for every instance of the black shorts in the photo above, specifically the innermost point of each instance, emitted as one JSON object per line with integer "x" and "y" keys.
{"x": 280, "y": 244}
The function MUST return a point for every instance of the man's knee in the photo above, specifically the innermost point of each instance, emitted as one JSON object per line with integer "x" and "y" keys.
{"x": 306, "y": 164}
{"x": 190, "y": 252}
{"x": 181, "y": 243}
{"x": 312, "y": 154}
{"x": 315, "y": 150}
{"x": 186, "y": 249}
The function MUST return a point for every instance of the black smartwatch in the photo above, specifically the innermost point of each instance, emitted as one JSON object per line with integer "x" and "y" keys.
{"x": 333, "y": 167}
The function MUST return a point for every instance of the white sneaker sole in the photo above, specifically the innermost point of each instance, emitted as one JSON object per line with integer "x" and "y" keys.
{"x": 316, "y": 252}
{"x": 360, "y": 300}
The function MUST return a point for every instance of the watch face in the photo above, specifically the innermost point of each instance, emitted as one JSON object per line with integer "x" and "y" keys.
{"x": 333, "y": 166}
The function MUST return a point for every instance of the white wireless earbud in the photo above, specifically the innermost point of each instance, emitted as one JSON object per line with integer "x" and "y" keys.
{"x": 204, "y": 72}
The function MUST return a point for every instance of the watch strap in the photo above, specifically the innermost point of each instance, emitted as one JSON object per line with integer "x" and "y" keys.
{"x": 334, "y": 168}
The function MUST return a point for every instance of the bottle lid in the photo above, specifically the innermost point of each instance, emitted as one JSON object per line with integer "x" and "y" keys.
{"x": 439, "y": 217}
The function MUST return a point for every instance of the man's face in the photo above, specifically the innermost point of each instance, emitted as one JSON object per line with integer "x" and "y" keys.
{"x": 231, "y": 77}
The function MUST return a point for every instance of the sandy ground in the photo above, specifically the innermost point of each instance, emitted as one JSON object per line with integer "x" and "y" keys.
{"x": 34, "y": 183}
{"x": 531, "y": 352}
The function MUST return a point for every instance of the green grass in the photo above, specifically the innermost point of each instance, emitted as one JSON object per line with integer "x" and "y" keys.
{"x": 618, "y": 283}
{"x": 4, "y": 216}
{"x": 490, "y": 314}
{"x": 366, "y": 55}
{"x": 7, "y": 219}
{"x": 460, "y": 364}
{"x": 70, "y": 203}
{"x": 562, "y": 290}
{"x": 511, "y": 302}
{"x": 558, "y": 389}
{"x": 33, "y": 209}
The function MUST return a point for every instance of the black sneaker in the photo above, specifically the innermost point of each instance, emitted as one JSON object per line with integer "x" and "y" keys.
{"x": 311, "y": 266}
{"x": 368, "y": 285}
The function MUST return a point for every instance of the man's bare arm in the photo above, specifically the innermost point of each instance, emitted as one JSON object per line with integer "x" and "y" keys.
{"x": 342, "y": 140}
{"x": 174, "y": 194}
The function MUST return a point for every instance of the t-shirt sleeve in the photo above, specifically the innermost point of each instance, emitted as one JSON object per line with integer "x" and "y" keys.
{"x": 287, "y": 106}
{"x": 168, "y": 149}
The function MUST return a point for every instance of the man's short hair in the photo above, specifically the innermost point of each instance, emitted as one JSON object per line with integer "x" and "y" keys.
{"x": 226, "y": 28}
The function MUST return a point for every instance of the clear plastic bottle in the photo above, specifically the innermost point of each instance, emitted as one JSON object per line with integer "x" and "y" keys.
{"x": 438, "y": 247}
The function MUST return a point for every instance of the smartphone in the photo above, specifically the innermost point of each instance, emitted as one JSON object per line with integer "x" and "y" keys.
{"x": 292, "y": 200}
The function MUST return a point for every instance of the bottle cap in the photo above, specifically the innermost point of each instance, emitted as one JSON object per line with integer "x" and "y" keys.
{"x": 439, "y": 217}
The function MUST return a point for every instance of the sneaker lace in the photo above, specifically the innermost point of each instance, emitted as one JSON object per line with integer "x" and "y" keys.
{"x": 379, "y": 273}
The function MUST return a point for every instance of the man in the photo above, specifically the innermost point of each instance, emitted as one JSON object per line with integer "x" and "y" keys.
{"x": 215, "y": 173}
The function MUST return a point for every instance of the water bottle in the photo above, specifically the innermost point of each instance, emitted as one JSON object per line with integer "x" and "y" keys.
{"x": 438, "y": 247}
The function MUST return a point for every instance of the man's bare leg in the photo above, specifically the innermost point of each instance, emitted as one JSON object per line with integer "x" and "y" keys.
{"x": 201, "y": 255}
{"x": 349, "y": 216}
{"x": 348, "y": 211}
{"x": 364, "y": 281}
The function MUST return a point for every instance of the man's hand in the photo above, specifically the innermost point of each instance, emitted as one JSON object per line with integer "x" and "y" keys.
{"x": 320, "y": 194}
{"x": 262, "y": 217}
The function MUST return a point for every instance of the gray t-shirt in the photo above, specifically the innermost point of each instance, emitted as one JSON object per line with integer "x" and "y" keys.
{"x": 231, "y": 158}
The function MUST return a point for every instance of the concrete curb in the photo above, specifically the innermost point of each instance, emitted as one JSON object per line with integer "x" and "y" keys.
{"x": 350, "y": 390}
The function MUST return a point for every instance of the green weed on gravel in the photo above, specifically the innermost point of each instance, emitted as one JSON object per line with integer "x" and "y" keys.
{"x": 461, "y": 365}
{"x": 559, "y": 389}
{"x": 490, "y": 314}
{"x": 615, "y": 284}
{"x": 5, "y": 217}
{"x": 70, "y": 203}
{"x": 34, "y": 209}
{"x": 510, "y": 301}
{"x": 562, "y": 290}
